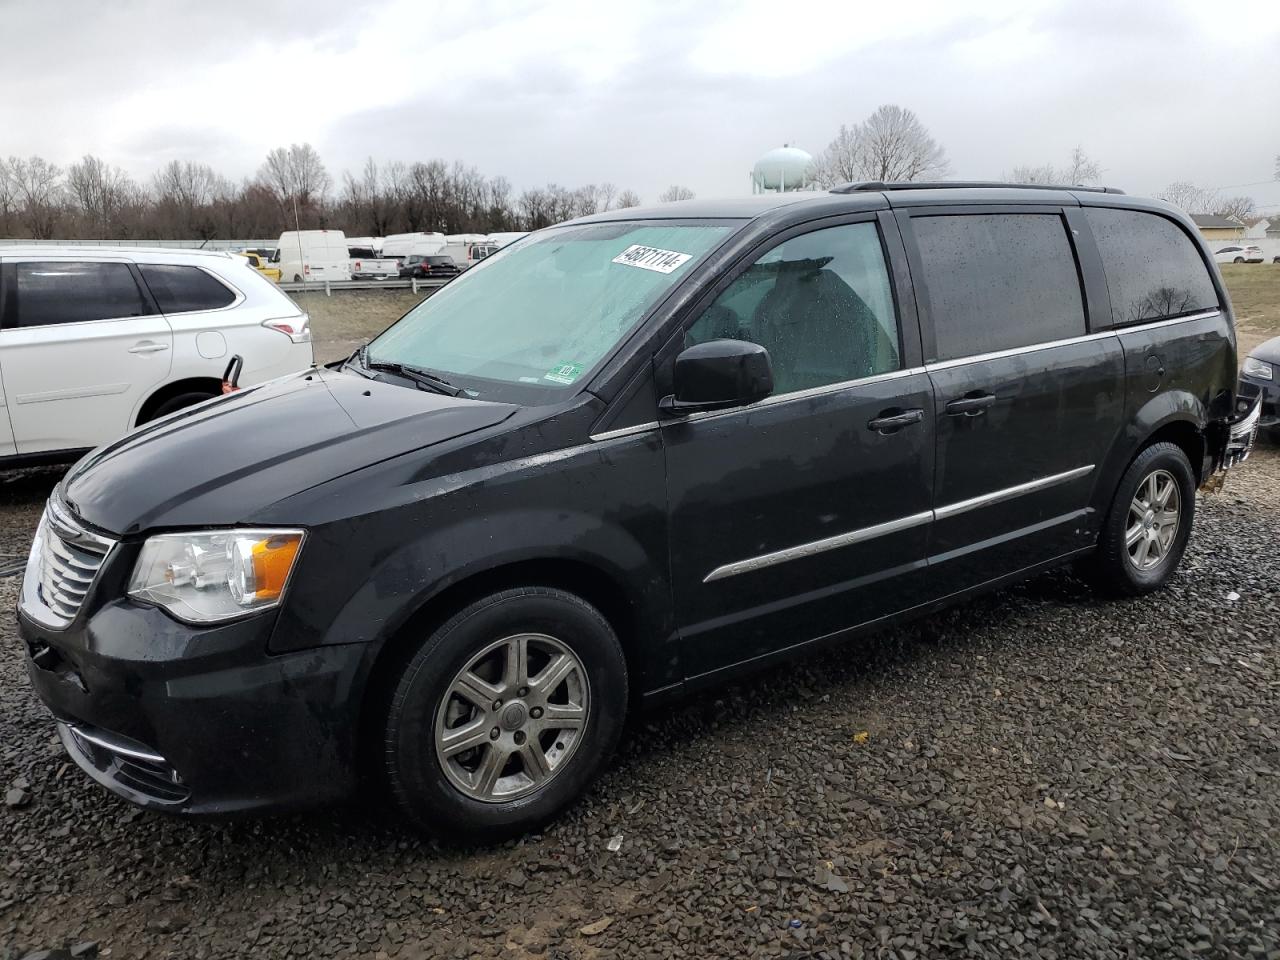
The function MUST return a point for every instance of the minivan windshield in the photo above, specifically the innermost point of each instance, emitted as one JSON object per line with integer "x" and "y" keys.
{"x": 536, "y": 317}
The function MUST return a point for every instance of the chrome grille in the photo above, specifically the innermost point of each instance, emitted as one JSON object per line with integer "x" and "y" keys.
{"x": 70, "y": 557}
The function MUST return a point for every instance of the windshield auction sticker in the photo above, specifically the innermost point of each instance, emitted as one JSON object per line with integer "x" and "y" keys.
{"x": 651, "y": 258}
{"x": 564, "y": 373}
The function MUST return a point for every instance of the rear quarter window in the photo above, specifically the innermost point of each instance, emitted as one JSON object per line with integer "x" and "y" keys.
{"x": 183, "y": 289}
{"x": 1154, "y": 270}
{"x": 998, "y": 281}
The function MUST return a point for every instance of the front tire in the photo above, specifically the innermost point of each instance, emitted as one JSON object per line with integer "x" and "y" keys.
{"x": 1148, "y": 525}
{"x": 505, "y": 714}
{"x": 1238, "y": 260}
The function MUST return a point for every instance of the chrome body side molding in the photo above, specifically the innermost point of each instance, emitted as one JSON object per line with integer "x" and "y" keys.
{"x": 863, "y": 534}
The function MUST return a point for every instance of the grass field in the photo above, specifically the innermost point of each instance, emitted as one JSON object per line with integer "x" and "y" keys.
{"x": 342, "y": 322}
{"x": 1255, "y": 295}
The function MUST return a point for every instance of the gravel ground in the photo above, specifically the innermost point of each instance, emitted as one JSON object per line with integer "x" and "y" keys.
{"x": 1035, "y": 773}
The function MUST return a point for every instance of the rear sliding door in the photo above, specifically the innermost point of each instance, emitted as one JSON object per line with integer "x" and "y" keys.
{"x": 1028, "y": 401}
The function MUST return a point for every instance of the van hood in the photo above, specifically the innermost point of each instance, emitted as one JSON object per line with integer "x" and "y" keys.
{"x": 222, "y": 462}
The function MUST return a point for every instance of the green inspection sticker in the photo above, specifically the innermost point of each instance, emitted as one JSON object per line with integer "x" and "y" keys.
{"x": 563, "y": 373}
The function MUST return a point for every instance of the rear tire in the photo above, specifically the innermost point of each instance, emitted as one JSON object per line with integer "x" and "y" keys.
{"x": 180, "y": 402}
{"x": 1147, "y": 526}
{"x": 553, "y": 680}
{"x": 1238, "y": 260}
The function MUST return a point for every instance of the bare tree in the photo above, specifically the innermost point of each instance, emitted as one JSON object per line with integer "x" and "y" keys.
{"x": 103, "y": 194}
{"x": 626, "y": 199}
{"x": 8, "y": 198}
{"x": 891, "y": 144}
{"x": 1079, "y": 170}
{"x": 184, "y": 194}
{"x": 1235, "y": 208}
{"x": 295, "y": 174}
{"x": 1188, "y": 197}
{"x": 37, "y": 190}
{"x": 841, "y": 161}
{"x": 675, "y": 192}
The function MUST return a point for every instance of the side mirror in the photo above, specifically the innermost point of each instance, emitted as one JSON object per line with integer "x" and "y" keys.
{"x": 719, "y": 374}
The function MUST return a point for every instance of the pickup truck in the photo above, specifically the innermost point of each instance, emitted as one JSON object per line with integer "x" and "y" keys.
{"x": 367, "y": 265}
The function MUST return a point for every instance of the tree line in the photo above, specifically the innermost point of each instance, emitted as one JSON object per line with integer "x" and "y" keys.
{"x": 92, "y": 199}
{"x": 185, "y": 199}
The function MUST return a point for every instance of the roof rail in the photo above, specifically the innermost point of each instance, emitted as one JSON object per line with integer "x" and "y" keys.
{"x": 875, "y": 186}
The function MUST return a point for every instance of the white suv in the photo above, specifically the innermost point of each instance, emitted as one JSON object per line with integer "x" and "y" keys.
{"x": 1237, "y": 254}
{"x": 94, "y": 341}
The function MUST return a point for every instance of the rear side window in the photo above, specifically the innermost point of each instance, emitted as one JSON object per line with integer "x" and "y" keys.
{"x": 999, "y": 281}
{"x": 182, "y": 289}
{"x": 1153, "y": 268}
{"x": 820, "y": 303}
{"x": 53, "y": 292}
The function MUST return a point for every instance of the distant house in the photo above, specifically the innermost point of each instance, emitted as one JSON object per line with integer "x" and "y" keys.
{"x": 1213, "y": 227}
{"x": 1273, "y": 229}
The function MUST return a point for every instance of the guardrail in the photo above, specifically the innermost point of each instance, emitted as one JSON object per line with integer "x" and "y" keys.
{"x": 328, "y": 286}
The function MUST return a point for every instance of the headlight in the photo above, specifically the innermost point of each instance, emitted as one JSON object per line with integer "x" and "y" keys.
{"x": 216, "y": 574}
{"x": 1257, "y": 368}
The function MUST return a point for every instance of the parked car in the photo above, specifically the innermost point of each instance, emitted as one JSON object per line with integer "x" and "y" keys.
{"x": 313, "y": 255}
{"x": 402, "y": 245}
{"x": 262, "y": 265}
{"x": 631, "y": 456}
{"x": 1261, "y": 369}
{"x": 1239, "y": 254}
{"x": 431, "y": 266}
{"x": 95, "y": 341}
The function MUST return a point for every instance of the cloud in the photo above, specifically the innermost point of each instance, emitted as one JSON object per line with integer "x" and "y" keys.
{"x": 646, "y": 94}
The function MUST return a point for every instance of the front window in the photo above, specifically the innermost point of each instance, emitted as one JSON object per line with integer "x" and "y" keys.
{"x": 534, "y": 320}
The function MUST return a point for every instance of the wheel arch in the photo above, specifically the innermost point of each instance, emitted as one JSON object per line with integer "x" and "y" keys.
{"x": 1174, "y": 416}
{"x": 581, "y": 577}
{"x": 210, "y": 385}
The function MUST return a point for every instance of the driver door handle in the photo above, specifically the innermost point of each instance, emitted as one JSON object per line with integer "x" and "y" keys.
{"x": 970, "y": 406}
{"x": 891, "y": 422}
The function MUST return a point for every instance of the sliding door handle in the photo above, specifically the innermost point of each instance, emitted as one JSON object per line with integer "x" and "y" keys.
{"x": 973, "y": 406}
{"x": 893, "y": 420}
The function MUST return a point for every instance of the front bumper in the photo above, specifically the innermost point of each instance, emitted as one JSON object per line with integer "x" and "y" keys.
{"x": 1269, "y": 391}
{"x": 195, "y": 720}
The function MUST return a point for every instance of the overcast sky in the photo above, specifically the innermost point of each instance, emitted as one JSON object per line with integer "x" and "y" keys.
{"x": 645, "y": 95}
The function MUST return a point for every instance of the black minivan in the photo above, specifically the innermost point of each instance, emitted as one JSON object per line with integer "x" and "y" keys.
{"x": 620, "y": 459}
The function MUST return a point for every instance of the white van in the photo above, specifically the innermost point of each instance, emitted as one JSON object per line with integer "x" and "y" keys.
{"x": 468, "y": 249}
{"x": 397, "y": 246}
{"x": 312, "y": 255}
{"x": 97, "y": 340}
{"x": 500, "y": 240}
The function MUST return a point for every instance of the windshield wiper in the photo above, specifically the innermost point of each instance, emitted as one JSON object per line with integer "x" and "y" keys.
{"x": 423, "y": 378}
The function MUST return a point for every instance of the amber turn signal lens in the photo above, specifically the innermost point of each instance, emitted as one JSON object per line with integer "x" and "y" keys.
{"x": 272, "y": 561}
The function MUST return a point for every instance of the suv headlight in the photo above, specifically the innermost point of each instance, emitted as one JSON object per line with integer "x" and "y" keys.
{"x": 215, "y": 575}
{"x": 1254, "y": 367}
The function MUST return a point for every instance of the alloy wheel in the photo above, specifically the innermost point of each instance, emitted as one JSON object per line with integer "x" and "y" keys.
{"x": 512, "y": 717}
{"x": 1155, "y": 513}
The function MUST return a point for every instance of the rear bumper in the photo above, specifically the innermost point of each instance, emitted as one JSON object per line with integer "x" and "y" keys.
{"x": 1236, "y": 437}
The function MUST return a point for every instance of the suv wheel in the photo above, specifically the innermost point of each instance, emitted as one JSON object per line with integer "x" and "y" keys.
{"x": 180, "y": 402}
{"x": 1148, "y": 525}
{"x": 1238, "y": 260}
{"x": 505, "y": 714}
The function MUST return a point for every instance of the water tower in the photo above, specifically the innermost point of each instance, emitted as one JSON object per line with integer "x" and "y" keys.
{"x": 781, "y": 170}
